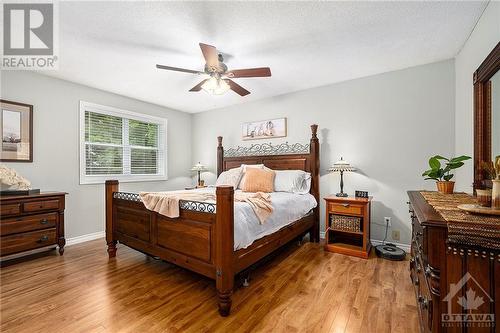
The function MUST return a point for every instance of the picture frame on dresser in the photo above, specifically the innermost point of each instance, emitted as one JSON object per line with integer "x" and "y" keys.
{"x": 16, "y": 131}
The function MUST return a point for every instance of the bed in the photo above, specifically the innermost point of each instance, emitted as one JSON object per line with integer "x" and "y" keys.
{"x": 202, "y": 238}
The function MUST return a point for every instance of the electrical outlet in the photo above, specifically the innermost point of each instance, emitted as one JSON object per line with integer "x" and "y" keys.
{"x": 387, "y": 221}
{"x": 395, "y": 235}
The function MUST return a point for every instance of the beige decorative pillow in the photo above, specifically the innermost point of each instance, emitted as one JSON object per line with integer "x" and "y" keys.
{"x": 244, "y": 168}
{"x": 230, "y": 177}
{"x": 258, "y": 180}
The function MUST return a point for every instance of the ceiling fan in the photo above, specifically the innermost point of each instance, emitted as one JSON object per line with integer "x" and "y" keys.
{"x": 220, "y": 81}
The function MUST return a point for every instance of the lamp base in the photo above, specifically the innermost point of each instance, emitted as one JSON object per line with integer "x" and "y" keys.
{"x": 342, "y": 194}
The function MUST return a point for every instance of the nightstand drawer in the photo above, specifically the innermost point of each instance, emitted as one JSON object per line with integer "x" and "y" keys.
{"x": 28, "y": 223}
{"x": 345, "y": 208}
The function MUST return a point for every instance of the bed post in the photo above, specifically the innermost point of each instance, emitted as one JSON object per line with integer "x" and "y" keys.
{"x": 314, "y": 144}
{"x": 224, "y": 248}
{"x": 220, "y": 156}
{"x": 111, "y": 187}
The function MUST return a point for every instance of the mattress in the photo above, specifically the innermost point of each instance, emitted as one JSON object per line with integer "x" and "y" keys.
{"x": 288, "y": 208}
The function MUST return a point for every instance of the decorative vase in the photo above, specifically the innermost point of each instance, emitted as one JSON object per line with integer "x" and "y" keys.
{"x": 484, "y": 197}
{"x": 445, "y": 187}
{"x": 495, "y": 194}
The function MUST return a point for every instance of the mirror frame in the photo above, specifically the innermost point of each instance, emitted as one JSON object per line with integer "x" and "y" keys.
{"x": 482, "y": 114}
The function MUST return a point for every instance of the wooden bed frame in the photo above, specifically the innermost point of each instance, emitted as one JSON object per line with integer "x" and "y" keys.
{"x": 201, "y": 239}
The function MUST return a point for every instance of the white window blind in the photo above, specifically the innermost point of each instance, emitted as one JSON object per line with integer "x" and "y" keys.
{"x": 119, "y": 144}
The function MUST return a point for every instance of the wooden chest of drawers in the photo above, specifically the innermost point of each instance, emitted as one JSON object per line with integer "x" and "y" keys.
{"x": 31, "y": 222}
{"x": 444, "y": 274}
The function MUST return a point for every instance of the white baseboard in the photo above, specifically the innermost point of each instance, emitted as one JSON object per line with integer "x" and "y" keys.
{"x": 84, "y": 238}
{"x": 376, "y": 242}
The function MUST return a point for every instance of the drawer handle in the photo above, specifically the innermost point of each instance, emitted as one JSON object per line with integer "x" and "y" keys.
{"x": 424, "y": 302}
{"x": 44, "y": 221}
{"x": 44, "y": 238}
{"x": 346, "y": 205}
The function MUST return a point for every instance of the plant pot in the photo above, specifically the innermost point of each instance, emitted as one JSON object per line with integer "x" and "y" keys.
{"x": 445, "y": 187}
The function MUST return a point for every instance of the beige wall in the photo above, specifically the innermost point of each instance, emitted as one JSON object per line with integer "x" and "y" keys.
{"x": 56, "y": 144}
{"x": 386, "y": 125}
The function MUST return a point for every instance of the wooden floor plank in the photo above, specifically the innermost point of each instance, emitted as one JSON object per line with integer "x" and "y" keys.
{"x": 302, "y": 289}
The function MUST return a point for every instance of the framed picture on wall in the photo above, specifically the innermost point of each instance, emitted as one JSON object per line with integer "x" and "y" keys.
{"x": 16, "y": 129}
{"x": 265, "y": 129}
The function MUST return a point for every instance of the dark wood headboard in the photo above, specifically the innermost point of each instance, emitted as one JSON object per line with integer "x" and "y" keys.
{"x": 278, "y": 157}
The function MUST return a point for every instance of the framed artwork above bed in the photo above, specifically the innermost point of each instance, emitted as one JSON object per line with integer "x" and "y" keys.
{"x": 265, "y": 129}
{"x": 16, "y": 130}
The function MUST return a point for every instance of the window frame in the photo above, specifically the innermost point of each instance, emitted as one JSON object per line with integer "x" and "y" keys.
{"x": 112, "y": 111}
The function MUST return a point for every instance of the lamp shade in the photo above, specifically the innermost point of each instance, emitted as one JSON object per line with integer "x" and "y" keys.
{"x": 341, "y": 166}
{"x": 199, "y": 167}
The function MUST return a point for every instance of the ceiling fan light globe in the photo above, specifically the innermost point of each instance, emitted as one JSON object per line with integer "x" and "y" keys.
{"x": 215, "y": 86}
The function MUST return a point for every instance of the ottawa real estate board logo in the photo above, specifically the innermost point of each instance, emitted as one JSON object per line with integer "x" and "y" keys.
{"x": 474, "y": 305}
{"x": 29, "y": 36}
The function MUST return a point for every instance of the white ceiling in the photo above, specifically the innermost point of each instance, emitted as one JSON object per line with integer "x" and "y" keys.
{"x": 115, "y": 46}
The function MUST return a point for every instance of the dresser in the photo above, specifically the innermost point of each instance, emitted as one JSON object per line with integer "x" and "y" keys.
{"x": 31, "y": 222}
{"x": 457, "y": 286}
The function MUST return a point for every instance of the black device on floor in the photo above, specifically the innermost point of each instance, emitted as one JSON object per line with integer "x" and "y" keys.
{"x": 390, "y": 251}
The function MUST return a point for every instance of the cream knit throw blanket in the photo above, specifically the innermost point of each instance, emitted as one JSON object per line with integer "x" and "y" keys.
{"x": 167, "y": 203}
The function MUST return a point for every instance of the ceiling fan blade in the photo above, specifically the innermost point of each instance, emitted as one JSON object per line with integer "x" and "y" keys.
{"x": 177, "y": 69}
{"x": 198, "y": 86}
{"x": 210, "y": 55}
{"x": 237, "y": 88}
{"x": 250, "y": 72}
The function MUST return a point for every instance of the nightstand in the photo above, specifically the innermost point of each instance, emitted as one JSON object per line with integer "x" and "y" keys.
{"x": 348, "y": 226}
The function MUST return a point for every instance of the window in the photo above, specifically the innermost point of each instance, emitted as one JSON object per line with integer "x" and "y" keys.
{"x": 119, "y": 144}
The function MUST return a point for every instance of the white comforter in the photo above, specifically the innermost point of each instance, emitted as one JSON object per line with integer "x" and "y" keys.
{"x": 288, "y": 208}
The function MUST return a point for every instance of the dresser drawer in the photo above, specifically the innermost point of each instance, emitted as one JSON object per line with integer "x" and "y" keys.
{"x": 345, "y": 208}
{"x": 37, "y": 206}
{"x": 27, "y": 241}
{"x": 10, "y": 209}
{"x": 27, "y": 223}
{"x": 424, "y": 299}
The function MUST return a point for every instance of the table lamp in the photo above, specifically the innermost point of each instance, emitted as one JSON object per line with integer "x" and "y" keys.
{"x": 341, "y": 166}
{"x": 199, "y": 168}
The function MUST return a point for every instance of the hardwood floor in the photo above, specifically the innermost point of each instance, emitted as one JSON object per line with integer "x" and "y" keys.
{"x": 303, "y": 289}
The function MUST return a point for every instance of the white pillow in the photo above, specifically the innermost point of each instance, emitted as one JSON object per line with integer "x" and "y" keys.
{"x": 244, "y": 168}
{"x": 306, "y": 185}
{"x": 230, "y": 177}
{"x": 293, "y": 181}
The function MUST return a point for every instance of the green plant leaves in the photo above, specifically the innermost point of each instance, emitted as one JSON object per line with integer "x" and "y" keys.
{"x": 448, "y": 177}
{"x": 460, "y": 159}
{"x": 434, "y": 163}
{"x": 455, "y": 165}
{"x": 437, "y": 173}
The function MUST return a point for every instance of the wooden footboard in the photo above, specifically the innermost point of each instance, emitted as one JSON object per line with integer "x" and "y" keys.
{"x": 201, "y": 239}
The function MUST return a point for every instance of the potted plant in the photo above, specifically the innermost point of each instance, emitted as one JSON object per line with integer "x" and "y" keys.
{"x": 443, "y": 175}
